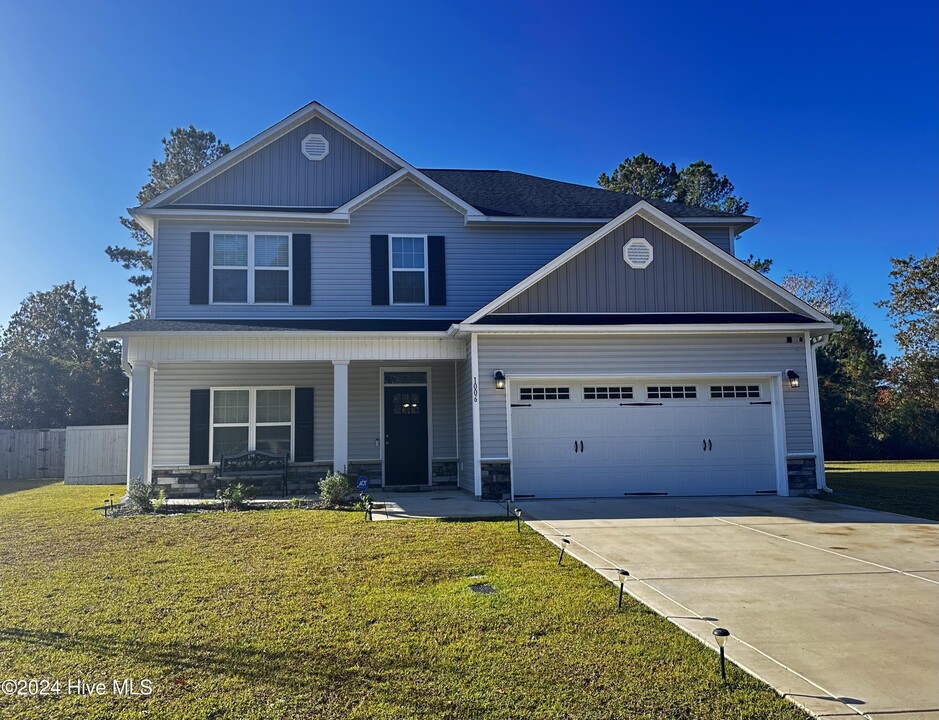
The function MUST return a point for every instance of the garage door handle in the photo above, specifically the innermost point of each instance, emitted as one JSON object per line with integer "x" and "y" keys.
{"x": 581, "y": 445}
{"x": 575, "y": 446}
{"x": 704, "y": 445}
{"x": 710, "y": 447}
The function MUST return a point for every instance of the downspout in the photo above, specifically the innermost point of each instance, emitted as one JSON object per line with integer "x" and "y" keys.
{"x": 814, "y": 344}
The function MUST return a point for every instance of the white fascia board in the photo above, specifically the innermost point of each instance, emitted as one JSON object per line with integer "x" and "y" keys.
{"x": 735, "y": 220}
{"x": 680, "y": 232}
{"x": 500, "y": 220}
{"x": 718, "y": 329}
{"x": 257, "y": 334}
{"x": 145, "y": 216}
{"x": 304, "y": 114}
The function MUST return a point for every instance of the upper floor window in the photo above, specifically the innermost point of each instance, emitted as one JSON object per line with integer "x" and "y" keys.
{"x": 408, "y": 269}
{"x": 250, "y": 268}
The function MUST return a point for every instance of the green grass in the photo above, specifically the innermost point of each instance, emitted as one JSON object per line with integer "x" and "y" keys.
{"x": 908, "y": 487}
{"x": 318, "y": 614}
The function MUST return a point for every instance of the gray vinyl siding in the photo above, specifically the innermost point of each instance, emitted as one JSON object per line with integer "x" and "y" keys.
{"x": 481, "y": 263}
{"x": 679, "y": 279}
{"x": 467, "y": 478}
{"x": 172, "y": 383}
{"x": 279, "y": 175}
{"x": 583, "y": 355}
{"x": 365, "y": 392}
{"x": 721, "y": 235}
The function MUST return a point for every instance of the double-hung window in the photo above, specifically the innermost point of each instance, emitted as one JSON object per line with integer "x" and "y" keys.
{"x": 408, "y": 269}
{"x": 246, "y": 419}
{"x": 250, "y": 268}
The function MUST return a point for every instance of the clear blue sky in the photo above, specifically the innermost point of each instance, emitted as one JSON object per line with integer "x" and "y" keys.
{"x": 823, "y": 114}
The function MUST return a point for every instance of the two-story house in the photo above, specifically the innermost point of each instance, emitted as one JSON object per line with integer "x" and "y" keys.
{"x": 314, "y": 294}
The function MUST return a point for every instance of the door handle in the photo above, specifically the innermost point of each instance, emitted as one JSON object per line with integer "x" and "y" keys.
{"x": 704, "y": 445}
{"x": 710, "y": 447}
{"x": 575, "y": 446}
{"x": 581, "y": 445}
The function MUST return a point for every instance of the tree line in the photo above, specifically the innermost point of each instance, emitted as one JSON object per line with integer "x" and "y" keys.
{"x": 56, "y": 371}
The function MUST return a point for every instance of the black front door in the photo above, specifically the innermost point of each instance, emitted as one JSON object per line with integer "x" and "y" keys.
{"x": 405, "y": 435}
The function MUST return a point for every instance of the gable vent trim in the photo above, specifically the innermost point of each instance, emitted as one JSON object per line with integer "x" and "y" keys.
{"x": 637, "y": 253}
{"x": 314, "y": 147}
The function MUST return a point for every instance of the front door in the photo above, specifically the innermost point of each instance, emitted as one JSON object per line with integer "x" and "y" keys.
{"x": 405, "y": 435}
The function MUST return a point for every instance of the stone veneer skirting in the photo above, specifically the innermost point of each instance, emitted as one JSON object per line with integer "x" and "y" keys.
{"x": 201, "y": 481}
{"x": 801, "y": 475}
{"x": 496, "y": 480}
{"x": 304, "y": 478}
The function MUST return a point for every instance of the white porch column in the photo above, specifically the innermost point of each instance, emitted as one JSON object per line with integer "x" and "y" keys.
{"x": 140, "y": 418}
{"x": 340, "y": 415}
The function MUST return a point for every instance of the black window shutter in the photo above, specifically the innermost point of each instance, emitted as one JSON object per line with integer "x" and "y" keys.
{"x": 380, "y": 294}
{"x": 199, "y": 268}
{"x": 199, "y": 427}
{"x": 437, "y": 269}
{"x": 303, "y": 425}
{"x": 301, "y": 269}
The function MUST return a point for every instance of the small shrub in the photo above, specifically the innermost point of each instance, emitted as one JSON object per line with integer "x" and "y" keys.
{"x": 296, "y": 502}
{"x": 141, "y": 495}
{"x": 336, "y": 489}
{"x": 235, "y": 497}
{"x": 159, "y": 503}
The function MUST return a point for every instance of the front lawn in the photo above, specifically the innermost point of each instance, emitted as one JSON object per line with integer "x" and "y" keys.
{"x": 319, "y": 614}
{"x": 908, "y": 487}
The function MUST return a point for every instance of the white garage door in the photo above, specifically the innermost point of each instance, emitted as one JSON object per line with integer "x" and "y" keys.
{"x": 614, "y": 438}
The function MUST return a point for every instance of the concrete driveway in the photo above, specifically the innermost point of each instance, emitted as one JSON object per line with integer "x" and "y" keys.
{"x": 834, "y": 606}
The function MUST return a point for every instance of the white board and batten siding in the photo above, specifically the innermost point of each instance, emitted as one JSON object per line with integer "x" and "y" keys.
{"x": 96, "y": 455}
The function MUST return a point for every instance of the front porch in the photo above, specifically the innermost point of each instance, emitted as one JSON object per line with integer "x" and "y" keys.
{"x": 393, "y": 421}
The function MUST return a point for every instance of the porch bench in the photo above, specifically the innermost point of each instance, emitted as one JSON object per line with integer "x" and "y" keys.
{"x": 252, "y": 465}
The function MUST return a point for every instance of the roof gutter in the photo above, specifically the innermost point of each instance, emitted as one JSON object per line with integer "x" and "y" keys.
{"x": 463, "y": 329}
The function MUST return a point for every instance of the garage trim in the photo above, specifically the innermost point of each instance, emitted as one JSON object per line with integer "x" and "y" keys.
{"x": 775, "y": 390}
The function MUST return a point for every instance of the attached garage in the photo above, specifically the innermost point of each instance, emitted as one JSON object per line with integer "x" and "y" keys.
{"x": 615, "y": 437}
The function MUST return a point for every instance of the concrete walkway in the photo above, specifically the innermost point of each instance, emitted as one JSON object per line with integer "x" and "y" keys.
{"x": 834, "y": 606}
{"x": 431, "y": 505}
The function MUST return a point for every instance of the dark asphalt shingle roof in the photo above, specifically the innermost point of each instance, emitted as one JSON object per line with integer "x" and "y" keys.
{"x": 229, "y": 326}
{"x": 503, "y": 193}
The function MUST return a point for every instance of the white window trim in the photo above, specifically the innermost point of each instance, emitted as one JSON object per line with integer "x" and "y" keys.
{"x": 392, "y": 271}
{"x": 252, "y": 423}
{"x": 250, "y": 267}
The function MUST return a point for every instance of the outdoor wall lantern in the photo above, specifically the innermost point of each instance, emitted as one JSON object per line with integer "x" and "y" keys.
{"x": 721, "y": 635}
{"x": 499, "y": 377}
{"x": 793, "y": 378}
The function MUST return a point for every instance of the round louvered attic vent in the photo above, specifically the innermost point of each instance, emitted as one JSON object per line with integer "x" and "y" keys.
{"x": 315, "y": 147}
{"x": 637, "y": 253}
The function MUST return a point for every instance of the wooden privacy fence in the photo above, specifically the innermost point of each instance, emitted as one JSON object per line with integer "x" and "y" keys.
{"x": 32, "y": 454}
{"x": 96, "y": 455}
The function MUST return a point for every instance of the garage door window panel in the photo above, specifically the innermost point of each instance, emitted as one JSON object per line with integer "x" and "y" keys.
{"x": 545, "y": 393}
{"x": 672, "y": 392}
{"x": 597, "y": 392}
{"x": 720, "y": 392}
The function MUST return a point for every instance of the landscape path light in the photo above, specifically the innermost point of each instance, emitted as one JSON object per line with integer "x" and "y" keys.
{"x": 721, "y": 635}
{"x": 623, "y": 574}
{"x": 518, "y": 519}
{"x": 564, "y": 543}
